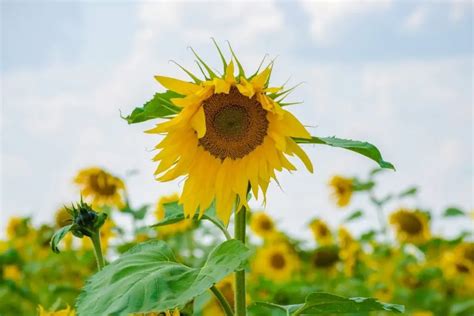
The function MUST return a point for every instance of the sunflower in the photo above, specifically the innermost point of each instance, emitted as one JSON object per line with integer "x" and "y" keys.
{"x": 321, "y": 232}
{"x": 325, "y": 257}
{"x": 262, "y": 224}
{"x": 458, "y": 264}
{"x": 100, "y": 188}
{"x": 231, "y": 133}
{"x": 348, "y": 250}
{"x": 276, "y": 262}
{"x": 17, "y": 227}
{"x": 63, "y": 217}
{"x": 11, "y": 272}
{"x": 342, "y": 189}
{"x": 411, "y": 226}
{"x": 171, "y": 229}
{"x": 64, "y": 312}
{"x": 226, "y": 287}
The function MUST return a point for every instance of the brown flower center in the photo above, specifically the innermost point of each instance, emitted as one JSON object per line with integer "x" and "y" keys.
{"x": 411, "y": 224}
{"x": 235, "y": 125}
{"x": 266, "y": 225}
{"x": 277, "y": 261}
{"x": 100, "y": 183}
{"x": 325, "y": 257}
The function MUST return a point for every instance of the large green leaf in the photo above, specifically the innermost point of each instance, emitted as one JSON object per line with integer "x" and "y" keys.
{"x": 317, "y": 303}
{"x": 148, "y": 278}
{"x": 158, "y": 107}
{"x": 363, "y": 148}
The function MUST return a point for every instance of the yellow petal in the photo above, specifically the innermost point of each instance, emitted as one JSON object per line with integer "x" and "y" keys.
{"x": 221, "y": 86}
{"x": 293, "y": 127}
{"x": 229, "y": 73}
{"x": 198, "y": 122}
{"x": 300, "y": 153}
{"x": 261, "y": 79}
{"x": 273, "y": 89}
{"x": 179, "y": 86}
{"x": 245, "y": 88}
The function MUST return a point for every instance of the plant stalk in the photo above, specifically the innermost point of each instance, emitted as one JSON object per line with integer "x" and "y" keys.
{"x": 222, "y": 300}
{"x": 95, "y": 237}
{"x": 239, "y": 234}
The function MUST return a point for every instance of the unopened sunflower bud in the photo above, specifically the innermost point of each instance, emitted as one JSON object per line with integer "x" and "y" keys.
{"x": 86, "y": 221}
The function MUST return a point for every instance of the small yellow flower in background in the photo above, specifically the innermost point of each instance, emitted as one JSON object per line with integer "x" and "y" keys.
{"x": 171, "y": 229}
{"x": 63, "y": 217}
{"x": 411, "y": 226}
{"x": 342, "y": 189}
{"x": 226, "y": 287}
{"x": 17, "y": 227}
{"x": 11, "y": 272}
{"x": 100, "y": 188}
{"x": 458, "y": 264}
{"x": 276, "y": 262}
{"x": 321, "y": 232}
{"x": 262, "y": 224}
{"x": 231, "y": 132}
{"x": 325, "y": 257}
{"x": 348, "y": 250}
{"x": 64, "y": 312}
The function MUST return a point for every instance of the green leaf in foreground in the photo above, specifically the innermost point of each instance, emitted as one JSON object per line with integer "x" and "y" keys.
{"x": 158, "y": 107}
{"x": 148, "y": 278}
{"x": 453, "y": 211}
{"x": 58, "y": 236}
{"x": 317, "y": 303}
{"x": 363, "y": 148}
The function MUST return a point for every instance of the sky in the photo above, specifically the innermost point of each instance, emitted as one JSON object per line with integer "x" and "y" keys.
{"x": 395, "y": 73}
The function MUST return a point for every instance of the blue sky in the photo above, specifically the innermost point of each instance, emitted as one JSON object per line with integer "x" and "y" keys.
{"x": 397, "y": 74}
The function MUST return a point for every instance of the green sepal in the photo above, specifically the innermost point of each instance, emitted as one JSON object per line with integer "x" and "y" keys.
{"x": 160, "y": 106}
{"x": 58, "y": 236}
{"x": 366, "y": 149}
{"x": 209, "y": 70}
{"x": 224, "y": 62}
{"x": 189, "y": 73}
{"x": 239, "y": 65}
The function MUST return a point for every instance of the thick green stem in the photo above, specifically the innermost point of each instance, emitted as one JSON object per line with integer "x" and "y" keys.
{"x": 224, "y": 303}
{"x": 95, "y": 237}
{"x": 240, "y": 306}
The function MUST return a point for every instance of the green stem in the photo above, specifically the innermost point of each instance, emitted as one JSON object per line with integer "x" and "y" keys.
{"x": 380, "y": 215}
{"x": 240, "y": 306}
{"x": 95, "y": 237}
{"x": 299, "y": 311}
{"x": 222, "y": 300}
{"x": 219, "y": 225}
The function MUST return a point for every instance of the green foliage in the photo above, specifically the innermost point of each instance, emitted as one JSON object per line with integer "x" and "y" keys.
{"x": 58, "y": 236}
{"x": 408, "y": 192}
{"x": 355, "y": 215}
{"x": 453, "y": 211}
{"x": 363, "y": 148}
{"x": 149, "y": 278}
{"x": 158, "y": 107}
{"x": 317, "y": 303}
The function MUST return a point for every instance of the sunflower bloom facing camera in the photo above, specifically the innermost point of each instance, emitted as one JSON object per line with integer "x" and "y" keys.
{"x": 262, "y": 224}
{"x": 100, "y": 188}
{"x": 276, "y": 262}
{"x": 321, "y": 232}
{"x": 342, "y": 190}
{"x": 411, "y": 226}
{"x": 230, "y": 133}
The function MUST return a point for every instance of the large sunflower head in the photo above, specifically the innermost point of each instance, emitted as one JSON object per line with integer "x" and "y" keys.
{"x": 262, "y": 224}
{"x": 342, "y": 189}
{"x": 321, "y": 232}
{"x": 276, "y": 262}
{"x": 411, "y": 226}
{"x": 160, "y": 213}
{"x": 100, "y": 188}
{"x": 230, "y": 133}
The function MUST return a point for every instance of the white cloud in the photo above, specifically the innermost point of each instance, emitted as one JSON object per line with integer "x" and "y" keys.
{"x": 416, "y": 19}
{"x": 329, "y": 17}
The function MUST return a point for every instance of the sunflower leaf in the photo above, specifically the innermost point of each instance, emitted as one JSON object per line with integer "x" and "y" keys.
{"x": 148, "y": 278}
{"x": 58, "y": 236}
{"x": 160, "y": 106}
{"x": 453, "y": 211}
{"x": 322, "y": 303}
{"x": 363, "y": 148}
{"x": 355, "y": 215}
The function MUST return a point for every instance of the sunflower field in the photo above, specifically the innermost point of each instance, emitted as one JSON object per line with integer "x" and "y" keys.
{"x": 205, "y": 251}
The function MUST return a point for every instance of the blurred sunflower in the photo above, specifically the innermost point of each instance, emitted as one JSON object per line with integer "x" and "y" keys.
{"x": 276, "y": 262}
{"x": 321, "y": 232}
{"x": 458, "y": 264}
{"x": 230, "y": 134}
{"x": 325, "y": 257}
{"x": 11, "y": 272}
{"x": 64, "y": 312}
{"x": 100, "y": 188}
{"x": 262, "y": 224}
{"x": 411, "y": 226}
{"x": 63, "y": 217}
{"x": 226, "y": 287}
{"x": 342, "y": 189}
{"x": 17, "y": 227}
{"x": 171, "y": 229}
{"x": 348, "y": 250}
